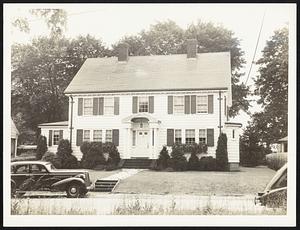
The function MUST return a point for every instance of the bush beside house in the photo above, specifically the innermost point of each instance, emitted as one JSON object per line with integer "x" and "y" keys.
{"x": 276, "y": 160}
{"x": 41, "y": 148}
{"x": 221, "y": 153}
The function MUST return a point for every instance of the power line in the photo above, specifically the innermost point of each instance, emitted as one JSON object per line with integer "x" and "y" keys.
{"x": 261, "y": 26}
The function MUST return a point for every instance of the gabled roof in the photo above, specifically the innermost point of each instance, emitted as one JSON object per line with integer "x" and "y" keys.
{"x": 153, "y": 73}
{"x": 59, "y": 123}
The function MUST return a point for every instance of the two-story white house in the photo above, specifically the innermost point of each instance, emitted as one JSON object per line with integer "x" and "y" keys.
{"x": 142, "y": 103}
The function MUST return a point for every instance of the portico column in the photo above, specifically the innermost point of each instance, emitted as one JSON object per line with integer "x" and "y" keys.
{"x": 128, "y": 143}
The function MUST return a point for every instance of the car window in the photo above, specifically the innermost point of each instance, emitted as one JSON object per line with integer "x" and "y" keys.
{"x": 38, "y": 169}
{"x": 22, "y": 169}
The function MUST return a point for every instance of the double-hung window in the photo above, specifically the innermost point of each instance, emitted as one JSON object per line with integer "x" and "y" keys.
{"x": 202, "y": 104}
{"x": 87, "y": 106}
{"x": 56, "y": 137}
{"x": 86, "y": 135}
{"x": 143, "y": 104}
{"x": 178, "y": 104}
{"x": 202, "y": 136}
{"x": 97, "y": 135}
{"x": 178, "y": 137}
{"x": 190, "y": 136}
{"x": 108, "y": 135}
{"x": 108, "y": 105}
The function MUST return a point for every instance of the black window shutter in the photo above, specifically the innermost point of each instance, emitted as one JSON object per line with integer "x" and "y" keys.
{"x": 170, "y": 137}
{"x": 134, "y": 104}
{"x": 80, "y": 106}
{"x": 116, "y": 105}
{"x": 210, "y": 103}
{"x": 101, "y": 105}
{"x": 61, "y": 134}
{"x": 50, "y": 138}
{"x": 95, "y": 105}
{"x": 210, "y": 137}
{"x": 170, "y": 104}
{"x": 187, "y": 105}
{"x": 193, "y": 104}
{"x": 115, "y": 137}
{"x": 151, "y": 104}
{"x": 79, "y": 138}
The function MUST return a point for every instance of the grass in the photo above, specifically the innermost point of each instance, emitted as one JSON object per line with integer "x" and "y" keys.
{"x": 246, "y": 181}
{"x": 23, "y": 207}
{"x": 148, "y": 209}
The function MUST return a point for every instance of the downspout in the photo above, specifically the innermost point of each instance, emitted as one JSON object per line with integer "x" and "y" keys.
{"x": 220, "y": 113}
{"x": 71, "y": 120}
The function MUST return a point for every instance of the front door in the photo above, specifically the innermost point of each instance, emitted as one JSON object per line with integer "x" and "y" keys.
{"x": 142, "y": 145}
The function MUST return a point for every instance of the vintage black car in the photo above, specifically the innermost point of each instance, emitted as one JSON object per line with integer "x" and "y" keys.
{"x": 43, "y": 176}
{"x": 275, "y": 193}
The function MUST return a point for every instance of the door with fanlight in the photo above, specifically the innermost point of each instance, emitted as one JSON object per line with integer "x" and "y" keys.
{"x": 141, "y": 143}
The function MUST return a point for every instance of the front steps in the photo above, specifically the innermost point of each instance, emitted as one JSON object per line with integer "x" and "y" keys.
{"x": 138, "y": 163}
{"x": 105, "y": 185}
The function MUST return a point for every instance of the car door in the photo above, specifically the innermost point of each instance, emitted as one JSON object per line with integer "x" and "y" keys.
{"x": 39, "y": 175}
{"x": 19, "y": 174}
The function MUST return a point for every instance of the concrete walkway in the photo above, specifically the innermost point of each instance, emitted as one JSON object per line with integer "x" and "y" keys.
{"x": 125, "y": 173}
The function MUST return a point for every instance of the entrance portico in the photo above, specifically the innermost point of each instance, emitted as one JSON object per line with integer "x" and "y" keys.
{"x": 141, "y": 136}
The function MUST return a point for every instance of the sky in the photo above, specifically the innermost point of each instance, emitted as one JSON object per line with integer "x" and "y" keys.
{"x": 110, "y": 22}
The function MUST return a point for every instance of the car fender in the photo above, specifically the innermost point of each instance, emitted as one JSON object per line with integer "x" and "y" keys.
{"x": 66, "y": 181}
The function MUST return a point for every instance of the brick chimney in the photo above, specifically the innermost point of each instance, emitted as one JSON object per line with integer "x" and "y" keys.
{"x": 123, "y": 52}
{"x": 191, "y": 48}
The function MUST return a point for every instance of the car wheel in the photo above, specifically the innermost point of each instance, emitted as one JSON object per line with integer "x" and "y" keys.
{"x": 73, "y": 190}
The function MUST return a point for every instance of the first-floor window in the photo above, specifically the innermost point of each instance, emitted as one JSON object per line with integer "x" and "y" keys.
{"x": 97, "y": 135}
{"x": 178, "y": 136}
{"x": 189, "y": 136}
{"x": 56, "y": 137}
{"x": 86, "y": 135}
{"x": 108, "y": 136}
{"x": 202, "y": 136}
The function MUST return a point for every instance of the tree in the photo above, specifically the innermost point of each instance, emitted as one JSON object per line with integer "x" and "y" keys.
{"x": 41, "y": 147}
{"x": 221, "y": 153}
{"x": 163, "y": 158}
{"x": 272, "y": 87}
{"x": 164, "y": 38}
{"x": 40, "y": 73}
{"x": 64, "y": 155}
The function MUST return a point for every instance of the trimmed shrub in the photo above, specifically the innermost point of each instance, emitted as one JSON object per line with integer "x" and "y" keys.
{"x": 48, "y": 156}
{"x": 207, "y": 164}
{"x": 193, "y": 162}
{"x": 113, "y": 153}
{"x": 41, "y": 148}
{"x": 64, "y": 157}
{"x": 93, "y": 156}
{"x": 189, "y": 148}
{"x": 178, "y": 161}
{"x": 163, "y": 159}
{"x": 276, "y": 160}
{"x": 221, "y": 153}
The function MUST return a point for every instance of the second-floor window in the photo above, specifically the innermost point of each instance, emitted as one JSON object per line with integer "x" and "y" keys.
{"x": 88, "y": 106}
{"x": 108, "y": 105}
{"x": 202, "y": 104}
{"x": 178, "y": 104}
{"x": 143, "y": 103}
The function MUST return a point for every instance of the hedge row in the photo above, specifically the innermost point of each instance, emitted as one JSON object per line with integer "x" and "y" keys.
{"x": 276, "y": 160}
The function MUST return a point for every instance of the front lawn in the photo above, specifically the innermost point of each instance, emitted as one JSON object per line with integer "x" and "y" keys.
{"x": 246, "y": 181}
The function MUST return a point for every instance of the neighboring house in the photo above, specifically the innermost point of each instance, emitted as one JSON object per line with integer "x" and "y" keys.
{"x": 143, "y": 103}
{"x": 14, "y": 139}
{"x": 283, "y": 145}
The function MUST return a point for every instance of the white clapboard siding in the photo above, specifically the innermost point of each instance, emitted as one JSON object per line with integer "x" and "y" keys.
{"x": 172, "y": 121}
